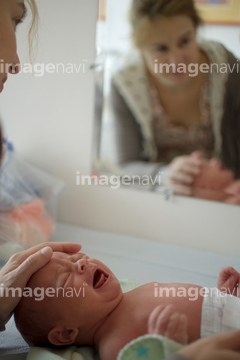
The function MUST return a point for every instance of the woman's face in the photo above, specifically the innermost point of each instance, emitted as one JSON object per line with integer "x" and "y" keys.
{"x": 171, "y": 41}
{"x": 11, "y": 14}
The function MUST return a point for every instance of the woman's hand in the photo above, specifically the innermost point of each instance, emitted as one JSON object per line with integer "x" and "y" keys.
{"x": 19, "y": 269}
{"x": 218, "y": 347}
{"x": 182, "y": 171}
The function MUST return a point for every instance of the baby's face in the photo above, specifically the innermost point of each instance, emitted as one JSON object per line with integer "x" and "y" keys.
{"x": 91, "y": 291}
{"x": 213, "y": 175}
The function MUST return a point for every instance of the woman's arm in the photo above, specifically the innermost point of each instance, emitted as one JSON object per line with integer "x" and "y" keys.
{"x": 224, "y": 346}
{"x": 126, "y": 131}
{"x": 128, "y": 141}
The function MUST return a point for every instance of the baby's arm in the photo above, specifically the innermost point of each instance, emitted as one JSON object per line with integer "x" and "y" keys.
{"x": 167, "y": 322}
{"x": 228, "y": 281}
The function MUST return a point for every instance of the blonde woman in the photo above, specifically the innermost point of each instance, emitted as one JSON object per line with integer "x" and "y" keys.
{"x": 175, "y": 100}
{"x": 20, "y": 267}
{"x": 12, "y": 13}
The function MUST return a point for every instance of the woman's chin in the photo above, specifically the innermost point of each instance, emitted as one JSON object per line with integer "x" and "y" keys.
{"x": 175, "y": 79}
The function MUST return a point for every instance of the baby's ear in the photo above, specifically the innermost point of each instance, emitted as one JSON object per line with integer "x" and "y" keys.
{"x": 59, "y": 335}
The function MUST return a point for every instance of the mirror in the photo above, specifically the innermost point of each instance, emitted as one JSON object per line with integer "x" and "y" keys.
{"x": 127, "y": 151}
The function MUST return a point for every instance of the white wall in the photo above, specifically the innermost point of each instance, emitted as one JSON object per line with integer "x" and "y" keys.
{"x": 228, "y": 35}
{"x": 198, "y": 224}
{"x": 49, "y": 119}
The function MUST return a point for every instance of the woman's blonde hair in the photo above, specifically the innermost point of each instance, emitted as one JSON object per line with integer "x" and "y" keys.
{"x": 144, "y": 12}
{"x": 34, "y": 25}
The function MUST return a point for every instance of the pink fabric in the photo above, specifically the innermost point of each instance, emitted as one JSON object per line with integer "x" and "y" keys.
{"x": 27, "y": 224}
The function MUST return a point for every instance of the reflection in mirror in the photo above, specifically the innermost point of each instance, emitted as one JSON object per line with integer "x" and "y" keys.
{"x": 168, "y": 103}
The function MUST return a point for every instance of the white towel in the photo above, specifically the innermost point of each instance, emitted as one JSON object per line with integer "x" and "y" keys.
{"x": 69, "y": 353}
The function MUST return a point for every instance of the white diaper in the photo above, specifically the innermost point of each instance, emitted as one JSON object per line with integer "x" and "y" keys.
{"x": 220, "y": 312}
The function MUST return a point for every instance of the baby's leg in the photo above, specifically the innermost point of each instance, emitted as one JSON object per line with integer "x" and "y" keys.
{"x": 229, "y": 281}
{"x": 167, "y": 322}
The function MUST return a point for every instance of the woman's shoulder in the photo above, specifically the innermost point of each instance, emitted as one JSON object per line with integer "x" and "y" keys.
{"x": 128, "y": 65}
{"x": 216, "y": 51}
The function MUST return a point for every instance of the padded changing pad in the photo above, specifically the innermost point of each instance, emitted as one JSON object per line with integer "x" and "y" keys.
{"x": 134, "y": 258}
{"x": 145, "y": 260}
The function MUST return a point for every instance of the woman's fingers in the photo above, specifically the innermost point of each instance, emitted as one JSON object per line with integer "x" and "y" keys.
{"x": 197, "y": 155}
{"x": 229, "y": 340}
{"x": 65, "y": 247}
{"x": 29, "y": 266}
{"x": 31, "y": 260}
{"x": 186, "y": 162}
{"x": 182, "y": 172}
{"x": 182, "y": 178}
{"x": 216, "y": 347}
{"x": 58, "y": 246}
{"x": 182, "y": 189}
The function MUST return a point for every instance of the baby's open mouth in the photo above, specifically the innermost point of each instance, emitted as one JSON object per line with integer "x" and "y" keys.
{"x": 99, "y": 279}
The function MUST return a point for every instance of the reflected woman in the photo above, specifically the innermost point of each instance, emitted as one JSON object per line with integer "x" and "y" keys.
{"x": 175, "y": 100}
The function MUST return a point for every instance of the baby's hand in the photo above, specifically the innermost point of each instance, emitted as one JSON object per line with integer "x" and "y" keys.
{"x": 164, "y": 321}
{"x": 228, "y": 281}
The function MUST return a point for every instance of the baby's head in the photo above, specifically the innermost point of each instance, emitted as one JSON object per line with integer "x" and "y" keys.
{"x": 212, "y": 180}
{"x": 77, "y": 295}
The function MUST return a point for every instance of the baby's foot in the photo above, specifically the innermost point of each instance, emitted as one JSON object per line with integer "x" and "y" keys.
{"x": 164, "y": 321}
{"x": 228, "y": 281}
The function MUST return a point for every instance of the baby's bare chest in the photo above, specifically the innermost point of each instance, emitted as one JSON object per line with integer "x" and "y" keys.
{"x": 130, "y": 320}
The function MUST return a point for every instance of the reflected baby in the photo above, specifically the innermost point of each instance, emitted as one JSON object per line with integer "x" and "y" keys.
{"x": 108, "y": 319}
{"x": 216, "y": 182}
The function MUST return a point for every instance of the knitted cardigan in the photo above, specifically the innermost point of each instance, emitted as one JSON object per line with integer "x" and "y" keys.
{"x": 132, "y": 107}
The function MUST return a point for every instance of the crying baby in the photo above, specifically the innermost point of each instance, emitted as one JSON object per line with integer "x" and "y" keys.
{"x": 83, "y": 304}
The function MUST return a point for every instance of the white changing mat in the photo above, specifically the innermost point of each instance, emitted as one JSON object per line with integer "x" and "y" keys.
{"x": 134, "y": 258}
{"x": 145, "y": 260}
